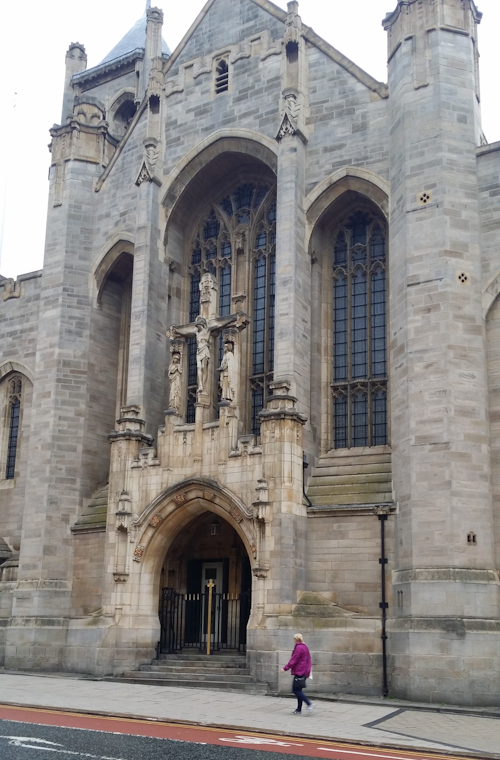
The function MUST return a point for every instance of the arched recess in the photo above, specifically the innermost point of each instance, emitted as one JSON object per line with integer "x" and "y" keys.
{"x": 122, "y": 111}
{"x": 17, "y": 372}
{"x": 490, "y": 294}
{"x": 106, "y": 259}
{"x": 172, "y": 511}
{"x": 326, "y": 194}
{"x": 329, "y": 205}
{"x": 14, "y": 366}
{"x": 203, "y": 186}
{"x": 491, "y": 307}
{"x": 241, "y": 144}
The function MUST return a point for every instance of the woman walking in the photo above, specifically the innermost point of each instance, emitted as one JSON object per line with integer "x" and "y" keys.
{"x": 300, "y": 665}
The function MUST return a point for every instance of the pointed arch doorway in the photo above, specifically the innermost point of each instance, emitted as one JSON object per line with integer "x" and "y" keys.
{"x": 205, "y": 589}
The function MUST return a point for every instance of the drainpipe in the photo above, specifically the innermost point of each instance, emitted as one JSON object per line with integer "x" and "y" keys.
{"x": 382, "y": 516}
{"x": 304, "y": 468}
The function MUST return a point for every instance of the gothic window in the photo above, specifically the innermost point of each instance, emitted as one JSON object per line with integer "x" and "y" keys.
{"x": 245, "y": 216}
{"x": 264, "y": 279}
{"x": 14, "y": 411}
{"x": 359, "y": 333}
{"x": 221, "y": 76}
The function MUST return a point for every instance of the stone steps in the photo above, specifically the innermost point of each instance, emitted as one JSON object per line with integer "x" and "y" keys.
{"x": 352, "y": 476}
{"x": 231, "y": 686}
{"x": 195, "y": 670}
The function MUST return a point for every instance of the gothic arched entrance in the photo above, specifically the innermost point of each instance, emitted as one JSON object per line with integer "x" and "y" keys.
{"x": 205, "y": 588}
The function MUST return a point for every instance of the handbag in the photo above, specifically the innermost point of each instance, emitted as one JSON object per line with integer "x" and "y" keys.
{"x": 299, "y": 682}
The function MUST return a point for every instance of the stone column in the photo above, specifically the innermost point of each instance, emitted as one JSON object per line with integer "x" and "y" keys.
{"x": 76, "y": 61}
{"x": 58, "y": 468}
{"x": 293, "y": 267}
{"x": 447, "y": 588}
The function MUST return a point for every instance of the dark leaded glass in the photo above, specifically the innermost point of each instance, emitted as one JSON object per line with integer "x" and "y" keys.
{"x": 379, "y": 418}
{"x": 211, "y": 252}
{"x": 194, "y": 310}
{"x": 257, "y": 406}
{"x": 358, "y": 224}
{"x": 359, "y": 325}
{"x": 212, "y": 227}
{"x": 272, "y": 296}
{"x": 225, "y": 290}
{"x": 261, "y": 239}
{"x": 377, "y": 244}
{"x": 379, "y": 368}
{"x": 260, "y": 195}
{"x": 13, "y": 435}
{"x": 340, "y": 327}
{"x": 360, "y": 419}
{"x": 359, "y": 335}
{"x": 225, "y": 249}
{"x": 259, "y": 316}
{"x": 271, "y": 214}
{"x": 227, "y": 205}
{"x": 340, "y": 414}
{"x": 243, "y": 196}
{"x": 196, "y": 257}
{"x": 340, "y": 250}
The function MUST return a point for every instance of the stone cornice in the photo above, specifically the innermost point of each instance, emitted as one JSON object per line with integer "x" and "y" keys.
{"x": 446, "y": 575}
{"x": 104, "y": 69}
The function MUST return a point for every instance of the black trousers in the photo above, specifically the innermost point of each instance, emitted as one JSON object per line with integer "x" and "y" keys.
{"x": 301, "y": 697}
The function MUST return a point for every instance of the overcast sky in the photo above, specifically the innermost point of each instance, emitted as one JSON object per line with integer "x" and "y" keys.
{"x": 35, "y": 35}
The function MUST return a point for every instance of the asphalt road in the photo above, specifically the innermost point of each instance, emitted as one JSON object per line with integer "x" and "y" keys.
{"x": 28, "y": 734}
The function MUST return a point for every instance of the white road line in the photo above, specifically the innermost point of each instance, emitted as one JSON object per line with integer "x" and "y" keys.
{"x": 368, "y": 754}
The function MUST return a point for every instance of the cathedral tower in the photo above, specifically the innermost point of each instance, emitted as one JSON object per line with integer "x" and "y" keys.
{"x": 445, "y": 583}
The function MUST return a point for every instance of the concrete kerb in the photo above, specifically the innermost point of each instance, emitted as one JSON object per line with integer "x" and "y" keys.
{"x": 249, "y": 731}
{"x": 341, "y": 698}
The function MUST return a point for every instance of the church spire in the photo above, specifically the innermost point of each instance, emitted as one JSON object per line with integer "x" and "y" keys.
{"x": 148, "y": 4}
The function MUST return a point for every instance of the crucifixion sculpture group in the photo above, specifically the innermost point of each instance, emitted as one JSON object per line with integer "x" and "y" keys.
{"x": 205, "y": 327}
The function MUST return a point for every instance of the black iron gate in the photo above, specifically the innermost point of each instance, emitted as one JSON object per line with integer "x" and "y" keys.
{"x": 185, "y": 623}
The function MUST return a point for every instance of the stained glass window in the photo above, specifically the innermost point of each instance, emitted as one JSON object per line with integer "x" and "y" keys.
{"x": 15, "y": 390}
{"x": 359, "y": 333}
{"x": 226, "y": 228}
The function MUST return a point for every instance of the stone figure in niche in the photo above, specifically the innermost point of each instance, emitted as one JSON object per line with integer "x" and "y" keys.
{"x": 202, "y": 351}
{"x": 174, "y": 376}
{"x": 227, "y": 371}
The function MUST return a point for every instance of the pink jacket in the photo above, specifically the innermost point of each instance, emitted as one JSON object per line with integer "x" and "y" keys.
{"x": 300, "y": 661}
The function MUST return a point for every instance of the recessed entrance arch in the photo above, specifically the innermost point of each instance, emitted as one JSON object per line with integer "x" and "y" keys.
{"x": 205, "y": 588}
{"x": 188, "y": 533}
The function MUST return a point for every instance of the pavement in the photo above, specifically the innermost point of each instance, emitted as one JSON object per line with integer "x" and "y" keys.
{"x": 468, "y": 732}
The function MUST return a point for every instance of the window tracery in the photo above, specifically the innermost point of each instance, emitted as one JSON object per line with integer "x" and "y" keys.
{"x": 244, "y": 215}
{"x": 359, "y": 333}
{"x": 15, "y": 388}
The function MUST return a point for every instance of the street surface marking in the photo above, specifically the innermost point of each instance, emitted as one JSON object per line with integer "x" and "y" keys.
{"x": 19, "y": 741}
{"x": 261, "y": 740}
{"x": 199, "y": 734}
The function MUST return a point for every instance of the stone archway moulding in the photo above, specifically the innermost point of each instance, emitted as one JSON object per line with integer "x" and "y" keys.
{"x": 362, "y": 181}
{"x": 14, "y": 366}
{"x": 120, "y": 243}
{"x": 490, "y": 294}
{"x": 150, "y": 525}
{"x": 223, "y": 141}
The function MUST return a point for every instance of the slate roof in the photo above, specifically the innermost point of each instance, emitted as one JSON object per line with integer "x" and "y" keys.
{"x": 133, "y": 40}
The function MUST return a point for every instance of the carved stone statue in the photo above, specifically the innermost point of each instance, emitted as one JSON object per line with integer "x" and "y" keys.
{"x": 202, "y": 351}
{"x": 174, "y": 376}
{"x": 228, "y": 372}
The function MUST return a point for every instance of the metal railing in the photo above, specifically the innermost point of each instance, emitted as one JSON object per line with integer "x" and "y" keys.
{"x": 206, "y": 621}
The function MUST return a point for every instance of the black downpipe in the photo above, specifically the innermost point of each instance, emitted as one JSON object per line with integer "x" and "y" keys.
{"x": 305, "y": 465}
{"x": 383, "y": 604}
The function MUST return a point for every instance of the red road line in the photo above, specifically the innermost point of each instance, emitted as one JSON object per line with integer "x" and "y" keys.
{"x": 288, "y": 745}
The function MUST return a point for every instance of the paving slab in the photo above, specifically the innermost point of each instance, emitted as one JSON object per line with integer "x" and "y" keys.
{"x": 377, "y": 724}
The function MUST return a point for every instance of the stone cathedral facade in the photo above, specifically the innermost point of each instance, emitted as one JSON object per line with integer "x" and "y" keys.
{"x": 262, "y": 356}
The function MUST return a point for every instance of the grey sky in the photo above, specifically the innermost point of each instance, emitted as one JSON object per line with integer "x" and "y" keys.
{"x": 34, "y": 37}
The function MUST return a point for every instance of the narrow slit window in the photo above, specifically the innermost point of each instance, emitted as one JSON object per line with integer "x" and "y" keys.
{"x": 15, "y": 389}
{"x": 222, "y": 77}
